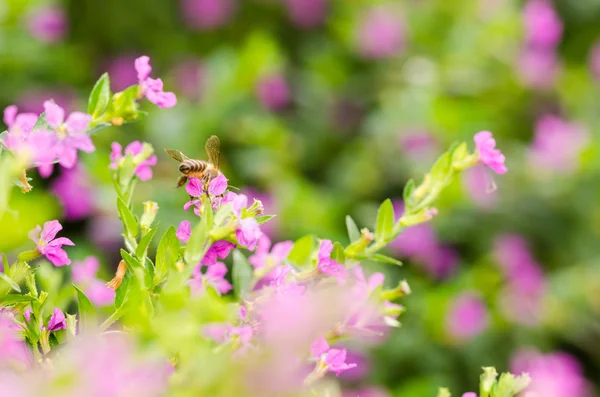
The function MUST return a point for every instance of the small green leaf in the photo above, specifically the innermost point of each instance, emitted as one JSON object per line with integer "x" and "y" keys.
{"x": 459, "y": 152}
{"x": 40, "y": 122}
{"x": 166, "y": 254}
{"x": 241, "y": 273}
{"x": 385, "y": 221}
{"x": 338, "y": 253}
{"x": 440, "y": 169}
{"x": 264, "y": 218}
{"x": 353, "y": 232}
{"x": 122, "y": 291}
{"x": 97, "y": 128}
{"x": 132, "y": 262}
{"x": 142, "y": 248}
{"x": 385, "y": 259}
{"x": 10, "y": 282}
{"x": 99, "y": 97}
{"x": 126, "y": 170}
{"x": 129, "y": 221}
{"x": 300, "y": 253}
{"x": 87, "y": 313}
{"x": 12, "y": 299}
{"x": 6, "y": 264}
{"x": 407, "y": 194}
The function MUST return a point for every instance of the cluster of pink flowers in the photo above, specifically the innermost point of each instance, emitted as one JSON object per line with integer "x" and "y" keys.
{"x": 523, "y": 294}
{"x": 538, "y": 64}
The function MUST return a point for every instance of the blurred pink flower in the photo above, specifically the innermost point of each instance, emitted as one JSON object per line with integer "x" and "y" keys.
{"x": 48, "y": 245}
{"x": 84, "y": 275}
{"x": 419, "y": 146}
{"x": 19, "y": 123}
{"x": 333, "y": 360}
{"x": 381, "y": 33}
{"x": 270, "y": 207}
{"x": 38, "y": 147}
{"x": 480, "y": 188}
{"x": 104, "y": 230}
{"x": 144, "y": 169}
{"x": 273, "y": 92}
{"x": 207, "y": 14}
{"x": 183, "y": 231}
{"x": 214, "y": 276}
{"x": 218, "y": 185}
{"x": 307, "y": 13}
{"x": 120, "y": 72}
{"x": 151, "y": 88}
{"x": 467, "y": 317}
{"x": 555, "y": 374}
{"x": 262, "y": 257}
{"x": 248, "y": 233}
{"x": 48, "y": 24}
{"x": 469, "y": 394}
{"x": 219, "y": 249}
{"x": 595, "y": 61}
{"x": 190, "y": 76}
{"x": 362, "y": 366}
{"x": 557, "y": 144}
{"x": 13, "y": 350}
{"x": 329, "y": 266}
{"x": 74, "y": 190}
{"x": 488, "y": 154}
{"x": 538, "y": 68}
{"x": 543, "y": 27}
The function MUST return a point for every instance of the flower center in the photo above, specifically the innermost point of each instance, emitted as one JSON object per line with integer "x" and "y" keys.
{"x": 61, "y": 132}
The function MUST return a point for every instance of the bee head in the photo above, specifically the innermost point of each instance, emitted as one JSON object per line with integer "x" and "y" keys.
{"x": 184, "y": 168}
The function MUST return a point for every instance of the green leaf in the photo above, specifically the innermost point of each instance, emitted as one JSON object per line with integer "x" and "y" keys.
{"x": 122, "y": 291}
{"x": 459, "y": 153}
{"x": 196, "y": 245}
{"x": 87, "y": 313}
{"x": 385, "y": 259}
{"x": 241, "y": 273}
{"x": 99, "y": 97}
{"x": 264, "y": 218}
{"x": 126, "y": 170}
{"x": 353, "y": 232}
{"x": 300, "y": 253}
{"x": 338, "y": 253}
{"x": 385, "y": 221}
{"x": 407, "y": 194}
{"x": 97, "y": 128}
{"x": 12, "y": 299}
{"x": 10, "y": 282}
{"x": 5, "y": 264}
{"x": 129, "y": 221}
{"x": 40, "y": 122}
{"x": 166, "y": 254}
{"x": 131, "y": 262}
{"x": 142, "y": 248}
{"x": 440, "y": 169}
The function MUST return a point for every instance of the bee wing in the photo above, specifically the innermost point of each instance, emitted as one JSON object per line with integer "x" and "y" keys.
{"x": 213, "y": 150}
{"x": 176, "y": 154}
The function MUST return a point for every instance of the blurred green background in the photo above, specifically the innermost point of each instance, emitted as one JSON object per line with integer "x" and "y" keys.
{"x": 325, "y": 108}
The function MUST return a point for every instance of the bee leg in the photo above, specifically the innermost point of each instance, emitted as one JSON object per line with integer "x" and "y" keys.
{"x": 182, "y": 180}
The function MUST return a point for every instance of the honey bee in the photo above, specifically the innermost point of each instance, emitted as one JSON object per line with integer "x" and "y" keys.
{"x": 206, "y": 171}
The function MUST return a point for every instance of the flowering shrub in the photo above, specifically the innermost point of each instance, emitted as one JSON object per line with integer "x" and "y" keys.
{"x": 279, "y": 327}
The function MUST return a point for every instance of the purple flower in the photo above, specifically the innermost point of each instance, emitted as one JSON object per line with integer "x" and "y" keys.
{"x": 153, "y": 88}
{"x": 48, "y": 24}
{"x": 488, "y": 154}
{"x": 217, "y": 185}
{"x": 467, "y": 317}
{"x": 207, "y": 14}
{"x": 57, "y": 321}
{"x": 381, "y": 33}
{"x": 19, "y": 123}
{"x": 194, "y": 187}
{"x": 74, "y": 190}
{"x": 248, "y": 233}
{"x": 262, "y": 257}
{"x": 71, "y": 133}
{"x": 273, "y": 92}
{"x": 214, "y": 277}
{"x": 542, "y": 24}
{"x": 307, "y": 14}
{"x": 469, "y": 394}
{"x": 329, "y": 266}
{"x": 48, "y": 246}
{"x": 333, "y": 360}
{"x": 219, "y": 249}
{"x": 557, "y": 144}
{"x": 183, "y": 231}
{"x": 144, "y": 169}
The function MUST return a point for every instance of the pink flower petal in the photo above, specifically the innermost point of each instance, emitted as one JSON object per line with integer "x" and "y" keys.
{"x": 142, "y": 67}
{"x": 55, "y": 115}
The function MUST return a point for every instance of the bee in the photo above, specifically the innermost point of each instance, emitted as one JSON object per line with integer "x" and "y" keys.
{"x": 206, "y": 171}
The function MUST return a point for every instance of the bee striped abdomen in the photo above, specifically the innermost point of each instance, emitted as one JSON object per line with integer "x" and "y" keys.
{"x": 192, "y": 166}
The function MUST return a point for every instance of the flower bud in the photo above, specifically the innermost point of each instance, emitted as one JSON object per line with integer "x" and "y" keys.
{"x": 420, "y": 217}
{"x": 443, "y": 392}
{"x": 401, "y": 290}
{"x": 150, "y": 211}
{"x": 256, "y": 208}
{"x": 359, "y": 246}
{"x": 487, "y": 381}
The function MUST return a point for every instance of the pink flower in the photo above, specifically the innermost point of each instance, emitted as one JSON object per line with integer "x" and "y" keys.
{"x": 217, "y": 185}
{"x": 84, "y": 275}
{"x": 469, "y": 394}
{"x": 542, "y": 24}
{"x": 19, "y": 123}
{"x": 190, "y": 78}
{"x": 85, "y": 270}
{"x": 144, "y": 169}
{"x": 219, "y": 249}
{"x": 207, "y": 14}
{"x": 329, "y": 266}
{"x": 273, "y": 92}
{"x": 48, "y": 246}
{"x": 214, "y": 277}
{"x": 194, "y": 187}
{"x": 480, "y": 187}
{"x": 488, "y": 154}
{"x": 57, "y": 321}
{"x": 74, "y": 190}
{"x": 13, "y": 350}
{"x": 248, "y": 233}
{"x": 557, "y": 144}
{"x": 307, "y": 14}
{"x": 278, "y": 253}
{"x": 120, "y": 71}
{"x": 99, "y": 294}
{"x": 538, "y": 68}
{"x": 48, "y": 24}
{"x": 419, "y": 146}
{"x": 153, "y": 88}
{"x": 37, "y": 146}
{"x": 334, "y": 360}
{"x": 381, "y": 33}
{"x": 183, "y": 231}
{"x": 71, "y": 133}
{"x": 467, "y": 317}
